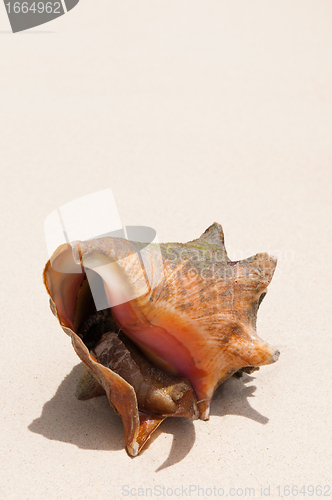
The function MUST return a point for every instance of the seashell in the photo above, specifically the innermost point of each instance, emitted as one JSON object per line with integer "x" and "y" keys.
{"x": 162, "y": 347}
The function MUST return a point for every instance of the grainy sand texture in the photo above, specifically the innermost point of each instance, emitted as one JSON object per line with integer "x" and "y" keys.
{"x": 191, "y": 112}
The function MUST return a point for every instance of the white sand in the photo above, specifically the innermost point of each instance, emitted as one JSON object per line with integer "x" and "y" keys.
{"x": 192, "y": 112}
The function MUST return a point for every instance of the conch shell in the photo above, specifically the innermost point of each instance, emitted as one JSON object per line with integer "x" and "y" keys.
{"x": 165, "y": 351}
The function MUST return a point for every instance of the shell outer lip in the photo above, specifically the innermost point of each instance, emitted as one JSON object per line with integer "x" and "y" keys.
{"x": 138, "y": 426}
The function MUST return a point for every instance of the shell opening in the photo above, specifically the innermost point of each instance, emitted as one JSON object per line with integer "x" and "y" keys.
{"x": 157, "y": 392}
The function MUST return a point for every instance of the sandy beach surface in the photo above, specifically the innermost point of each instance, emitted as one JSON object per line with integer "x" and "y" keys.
{"x": 191, "y": 112}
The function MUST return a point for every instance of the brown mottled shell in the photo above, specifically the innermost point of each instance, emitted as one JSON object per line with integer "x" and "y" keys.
{"x": 196, "y": 325}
